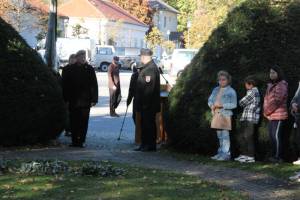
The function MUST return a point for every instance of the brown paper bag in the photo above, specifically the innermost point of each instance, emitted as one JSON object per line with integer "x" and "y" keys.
{"x": 220, "y": 122}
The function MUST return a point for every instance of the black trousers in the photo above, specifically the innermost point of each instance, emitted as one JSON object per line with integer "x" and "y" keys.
{"x": 148, "y": 129}
{"x": 275, "y": 133}
{"x": 246, "y": 139}
{"x": 111, "y": 101}
{"x": 79, "y": 120}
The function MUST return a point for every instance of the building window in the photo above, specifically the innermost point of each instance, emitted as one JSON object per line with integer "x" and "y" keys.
{"x": 165, "y": 22}
{"x": 142, "y": 43}
{"x": 104, "y": 51}
{"x": 135, "y": 43}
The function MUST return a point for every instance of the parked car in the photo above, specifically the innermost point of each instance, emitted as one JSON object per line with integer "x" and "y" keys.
{"x": 102, "y": 57}
{"x": 166, "y": 62}
{"x": 180, "y": 59}
{"x": 127, "y": 62}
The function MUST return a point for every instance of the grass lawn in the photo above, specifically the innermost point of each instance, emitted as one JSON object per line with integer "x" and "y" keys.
{"x": 283, "y": 170}
{"x": 137, "y": 183}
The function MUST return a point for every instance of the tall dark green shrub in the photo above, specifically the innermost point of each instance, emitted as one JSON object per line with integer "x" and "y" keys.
{"x": 255, "y": 36}
{"x": 31, "y": 103}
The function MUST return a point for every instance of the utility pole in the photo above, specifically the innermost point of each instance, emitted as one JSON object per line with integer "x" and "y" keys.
{"x": 189, "y": 25}
{"x": 50, "y": 54}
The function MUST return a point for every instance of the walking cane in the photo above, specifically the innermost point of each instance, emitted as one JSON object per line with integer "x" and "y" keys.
{"x": 119, "y": 138}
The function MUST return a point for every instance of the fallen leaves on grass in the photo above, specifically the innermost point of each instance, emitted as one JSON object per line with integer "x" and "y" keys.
{"x": 61, "y": 168}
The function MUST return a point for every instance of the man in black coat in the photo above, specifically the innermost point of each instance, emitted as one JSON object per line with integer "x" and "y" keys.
{"x": 132, "y": 92}
{"x": 148, "y": 100}
{"x": 80, "y": 89}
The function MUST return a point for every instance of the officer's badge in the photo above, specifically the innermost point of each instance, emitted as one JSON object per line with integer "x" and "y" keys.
{"x": 148, "y": 79}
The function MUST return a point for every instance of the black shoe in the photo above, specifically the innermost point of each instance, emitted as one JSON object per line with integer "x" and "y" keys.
{"x": 114, "y": 115}
{"x": 149, "y": 149}
{"x": 77, "y": 145}
{"x": 275, "y": 160}
{"x": 138, "y": 149}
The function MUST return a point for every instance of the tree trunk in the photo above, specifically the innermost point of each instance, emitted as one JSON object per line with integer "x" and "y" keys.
{"x": 50, "y": 54}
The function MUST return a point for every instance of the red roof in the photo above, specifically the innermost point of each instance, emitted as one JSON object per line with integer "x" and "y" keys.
{"x": 40, "y": 6}
{"x": 37, "y": 4}
{"x": 97, "y": 9}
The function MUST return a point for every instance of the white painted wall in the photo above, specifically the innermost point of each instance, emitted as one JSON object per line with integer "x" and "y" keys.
{"x": 164, "y": 21}
{"x": 91, "y": 24}
{"x": 129, "y": 36}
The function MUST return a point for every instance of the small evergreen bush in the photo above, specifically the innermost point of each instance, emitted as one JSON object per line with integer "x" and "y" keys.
{"x": 32, "y": 109}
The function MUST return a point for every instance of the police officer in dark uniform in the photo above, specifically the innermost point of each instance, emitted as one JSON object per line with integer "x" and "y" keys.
{"x": 148, "y": 100}
{"x": 80, "y": 89}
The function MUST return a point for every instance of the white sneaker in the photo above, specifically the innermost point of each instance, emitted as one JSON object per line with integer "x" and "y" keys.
{"x": 216, "y": 157}
{"x": 295, "y": 177}
{"x": 250, "y": 160}
{"x": 241, "y": 157}
{"x": 297, "y": 162}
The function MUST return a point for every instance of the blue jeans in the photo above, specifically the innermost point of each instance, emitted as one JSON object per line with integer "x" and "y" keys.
{"x": 224, "y": 143}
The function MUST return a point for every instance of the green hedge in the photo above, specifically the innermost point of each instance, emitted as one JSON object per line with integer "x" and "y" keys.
{"x": 32, "y": 109}
{"x": 256, "y": 35}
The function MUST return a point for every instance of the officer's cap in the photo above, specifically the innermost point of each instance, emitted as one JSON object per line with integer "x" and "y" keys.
{"x": 146, "y": 52}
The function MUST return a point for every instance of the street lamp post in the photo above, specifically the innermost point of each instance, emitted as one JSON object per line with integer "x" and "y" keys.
{"x": 50, "y": 54}
{"x": 189, "y": 25}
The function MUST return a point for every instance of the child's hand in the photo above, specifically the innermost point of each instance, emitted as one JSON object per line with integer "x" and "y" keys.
{"x": 218, "y": 105}
{"x": 294, "y": 108}
{"x": 213, "y": 108}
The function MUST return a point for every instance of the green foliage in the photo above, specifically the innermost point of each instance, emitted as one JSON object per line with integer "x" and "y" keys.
{"x": 78, "y": 30}
{"x": 138, "y": 8}
{"x": 169, "y": 46}
{"x": 256, "y": 35}
{"x": 31, "y": 101}
{"x": 154, "y": 38}
{"x": 208, "y": 15}
{"x": 186, "y": 9}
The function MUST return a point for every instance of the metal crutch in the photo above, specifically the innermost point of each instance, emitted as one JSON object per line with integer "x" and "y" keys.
{"x": 119, "y": 138}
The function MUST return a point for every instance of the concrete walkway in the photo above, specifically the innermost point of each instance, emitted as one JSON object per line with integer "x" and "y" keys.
{"x": 102, "y": 144}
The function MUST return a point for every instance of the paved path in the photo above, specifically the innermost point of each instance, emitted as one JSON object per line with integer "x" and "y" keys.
{"x": 103, "y": 145}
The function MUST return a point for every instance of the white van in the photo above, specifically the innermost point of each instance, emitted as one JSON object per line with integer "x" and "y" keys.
{"x": 67, "y": 46}
{"x": 102, "y": 57}
{"x": 180, "y": 59}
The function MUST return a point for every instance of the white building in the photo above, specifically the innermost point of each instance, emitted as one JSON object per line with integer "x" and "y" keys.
{"x": 104, "y": 22}
{"x": 165, "y": 19}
